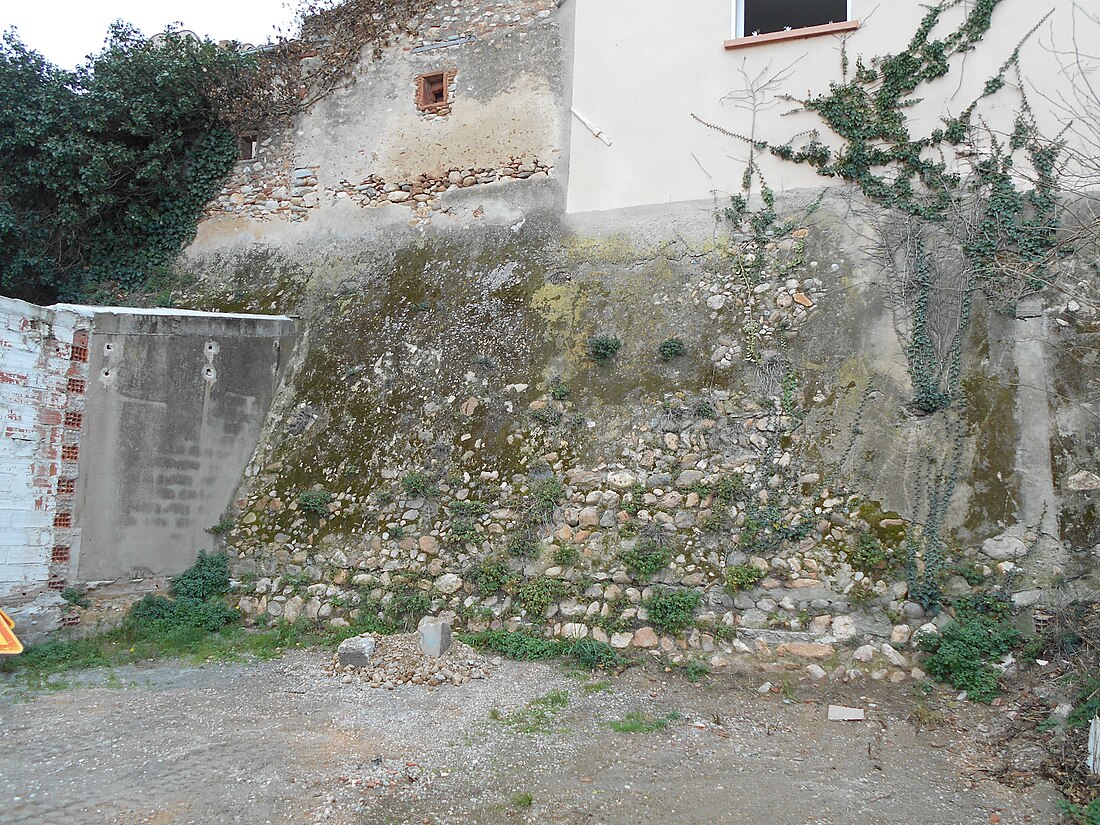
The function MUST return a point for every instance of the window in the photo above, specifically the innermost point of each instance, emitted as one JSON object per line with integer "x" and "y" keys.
{"x": 771, "y": 20}
{"x": 433, "y": 91}
{"x": 248, "y": 145}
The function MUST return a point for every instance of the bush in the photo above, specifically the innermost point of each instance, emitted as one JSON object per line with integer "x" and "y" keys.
{"x": 595, "y": 655}
{"x": 524, "y": 546}
{"x": 1078, "y": 815}
{"x": 535, "y": 595}
{"x": 742, "y": 577}
{"x": 165, "y": 615}
{"x": 868, "y": 555}
{"x": 419, "y": 485}
{"x": 75, "y": 596}
{"x": 470, "y": 507}
{"x": 964, "y": 651}
{"x": 525, "y": 646}
{"x": 602, "y": 348}
{"x": 464, "y": 530}
{"x": 492, "y": 575}
{"x": 207, "y": 577}
{"x": 546, "y": 494}
{"x": 517, "y": 644}
{"x": 671, "y": 348}
{"x": 730, "y": 489}
{"x": 315, "y": 502}
{"x": 672, "y": 610}
{"x": 406, "y": 608}
{"x": 224, "y": 525}
{"x": 559, "y": 390}
{"x": 647, "y": 558}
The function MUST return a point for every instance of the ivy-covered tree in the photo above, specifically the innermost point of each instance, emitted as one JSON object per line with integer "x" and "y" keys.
{"x": 104, "y": 170}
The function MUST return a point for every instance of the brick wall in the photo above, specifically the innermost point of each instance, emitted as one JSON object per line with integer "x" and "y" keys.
{"x": 43, "y": 379}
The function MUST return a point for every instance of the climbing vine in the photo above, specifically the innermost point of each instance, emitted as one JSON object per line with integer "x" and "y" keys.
{"x": 945, "y": 229}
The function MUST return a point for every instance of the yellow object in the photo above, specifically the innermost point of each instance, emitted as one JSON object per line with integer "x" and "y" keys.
{"x": 9, "y": 644}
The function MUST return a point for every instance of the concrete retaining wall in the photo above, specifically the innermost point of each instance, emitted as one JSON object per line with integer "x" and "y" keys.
{"x": 126, "y": 432}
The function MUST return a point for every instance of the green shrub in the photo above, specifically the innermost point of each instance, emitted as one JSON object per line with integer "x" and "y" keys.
{"x": 696, "y": 670}
{"x": 868, "y": 555}
{"x": 595, "y": 655}
{"x": 315, "y": 502}
{"x": 566, "y": 555}
{"x": 207, "y": 577}
{"x": 419, "y": 485}
{"x": 535, "y": 595}
{"x": 524, "y": 646}
{"x": 165, "y": 615}
{"x": 406, "y": 607}
{"x": 671, "y": 348}
{"x": 703, "y": 409}
{"x": 463, "y": 530}
{"x": 646, "y": 558}
{"x": 524, "y": 545}
{"x": 712, "y": 522}
{"x": 546, "y": 495}
{"x": 742, "y": 577}
{"x": 602, "y": 348}
{"x": 517, "y": 644}
{"x": 963, "y": 653}
{"x": 634, "y": 498}
{"x": 672, "y": 610}
{"x": 559, "y": 390}
{"x": 470, "y": 507}
{"x": 224, "y": 525}
{"x": 1078, "y": 815}
{"x": 730, "y": 489}
{"x": 492, "y": 575}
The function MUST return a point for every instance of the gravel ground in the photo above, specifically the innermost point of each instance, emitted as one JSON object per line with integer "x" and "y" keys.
{"x": 282, "y": 742}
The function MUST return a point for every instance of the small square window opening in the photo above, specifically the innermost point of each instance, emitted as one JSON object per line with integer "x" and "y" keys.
{"x": 433, "y": 90}
{"x": 248, "y": 146}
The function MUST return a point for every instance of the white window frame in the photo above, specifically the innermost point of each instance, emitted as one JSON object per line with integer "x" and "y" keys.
{"x": 739, "y": 17}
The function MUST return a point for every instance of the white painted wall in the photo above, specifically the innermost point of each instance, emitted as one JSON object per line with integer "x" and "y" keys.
{"x": 642, "y": 67}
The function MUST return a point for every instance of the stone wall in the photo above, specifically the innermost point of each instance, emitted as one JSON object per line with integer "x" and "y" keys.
{"x": 446, "y": 441}
{"x": 297, "y": 172}
{"x": 479, "y": 459}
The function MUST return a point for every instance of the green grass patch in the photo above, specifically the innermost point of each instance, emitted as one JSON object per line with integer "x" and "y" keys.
{"x": 637, "y": 722}
{"x": 647, "y": 558}
{"x": 523, "y": 646}
{"x": 539, "y": 715}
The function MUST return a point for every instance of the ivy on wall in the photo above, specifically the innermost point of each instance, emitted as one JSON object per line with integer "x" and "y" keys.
{"x": 975, "y": 202}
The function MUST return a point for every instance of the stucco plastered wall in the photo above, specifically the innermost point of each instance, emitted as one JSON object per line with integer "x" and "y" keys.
{"x": 642, "y": 68}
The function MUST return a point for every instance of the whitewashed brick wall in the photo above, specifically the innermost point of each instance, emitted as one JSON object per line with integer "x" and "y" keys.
{"x": 43, "y": 377}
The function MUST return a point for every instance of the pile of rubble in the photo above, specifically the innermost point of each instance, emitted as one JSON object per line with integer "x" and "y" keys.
{"x": 428, "y": 657}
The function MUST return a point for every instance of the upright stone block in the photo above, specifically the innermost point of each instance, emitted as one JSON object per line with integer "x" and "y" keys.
{"x": 435, "y": 637}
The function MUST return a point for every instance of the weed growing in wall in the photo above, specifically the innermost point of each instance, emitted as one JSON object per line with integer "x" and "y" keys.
{"x": 672, "y": 610}
{"x": 315, "y": 502}
{"x": 602, "y": 348}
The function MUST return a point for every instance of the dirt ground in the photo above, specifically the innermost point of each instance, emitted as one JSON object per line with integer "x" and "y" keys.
{"x": 280, "y": 742}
